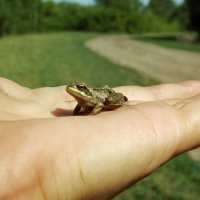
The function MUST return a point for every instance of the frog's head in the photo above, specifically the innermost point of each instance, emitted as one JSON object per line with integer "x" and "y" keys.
{"x": 79, "y": 91}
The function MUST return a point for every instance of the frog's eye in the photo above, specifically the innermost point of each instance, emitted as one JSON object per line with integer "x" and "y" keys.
{"x": 82, "y": 86}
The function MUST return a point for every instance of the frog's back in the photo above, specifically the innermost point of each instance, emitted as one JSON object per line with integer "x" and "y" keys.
{"x": 109, "y": 98}
{"x": 100, "y": 94}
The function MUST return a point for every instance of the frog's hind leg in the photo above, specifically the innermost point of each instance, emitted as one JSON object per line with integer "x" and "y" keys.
{"x": 77, "y": 109}
{"x": 97, "y": 109}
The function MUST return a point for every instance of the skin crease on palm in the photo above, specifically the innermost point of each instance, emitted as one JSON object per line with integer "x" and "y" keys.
{"x": 45, "y": 153}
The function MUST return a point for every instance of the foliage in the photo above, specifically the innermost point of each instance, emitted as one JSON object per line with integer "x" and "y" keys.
{"x": 130, "y": 16}
{"x": 151, "y": 23}
{"x": 126, "y": 5}
{"x": 164, "y": 9}
{"x": 19, "y": 16}
{"x": 194, "y": 9}
{"x": 182, "y": 15}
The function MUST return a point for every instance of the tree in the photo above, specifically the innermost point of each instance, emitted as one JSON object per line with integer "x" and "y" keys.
{"x": 164, "y": 8}
{"x": 182, "y": 15}
{"x": 194, "y": 13}
{"x": 4, "y": 13}
{"x": 9, "y": 16}
{"x": 19, "y": 16}
{"x": 126, "y": 5}
{"x": 30, "y": 11}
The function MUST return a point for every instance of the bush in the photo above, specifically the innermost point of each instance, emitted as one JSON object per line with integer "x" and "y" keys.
{"x": 48, "y": 16}
{"x": 151, "y": 23}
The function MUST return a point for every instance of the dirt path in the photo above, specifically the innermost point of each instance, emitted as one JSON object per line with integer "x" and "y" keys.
{"x": 164, "y": 64}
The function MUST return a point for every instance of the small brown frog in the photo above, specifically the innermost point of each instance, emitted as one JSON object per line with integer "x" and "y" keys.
{"x": 93, "y": 100}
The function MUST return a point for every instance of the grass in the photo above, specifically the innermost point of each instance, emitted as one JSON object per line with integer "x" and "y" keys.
{"x": 170, "y": 41}
{"x": 59, "y": 59}
{"x": 62, "y": 58}
{"x": 177, "y": 180}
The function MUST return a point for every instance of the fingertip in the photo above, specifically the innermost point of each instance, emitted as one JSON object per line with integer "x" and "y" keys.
{"x": 11, "y": 88}
{"x": 192, "y": 86}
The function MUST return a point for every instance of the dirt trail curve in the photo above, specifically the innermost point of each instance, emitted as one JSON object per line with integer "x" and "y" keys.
{"x": 164, "y": 64}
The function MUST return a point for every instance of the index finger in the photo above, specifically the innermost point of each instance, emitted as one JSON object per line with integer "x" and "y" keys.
{"x": 185, "y": 89}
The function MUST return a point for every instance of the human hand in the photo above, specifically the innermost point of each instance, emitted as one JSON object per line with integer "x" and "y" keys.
{"x": 95, "y": 157}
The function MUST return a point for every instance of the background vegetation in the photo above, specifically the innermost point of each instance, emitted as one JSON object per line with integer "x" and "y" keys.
{"x": 130, "y": 16}
{"x": 179, "y": 41}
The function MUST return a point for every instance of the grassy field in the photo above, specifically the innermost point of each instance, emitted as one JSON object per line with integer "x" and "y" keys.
{"x": 170, "y": 42}
{"x": 61, "y": 58}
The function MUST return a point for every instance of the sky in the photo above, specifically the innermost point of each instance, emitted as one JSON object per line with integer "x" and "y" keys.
{"x": 87, "y": 2}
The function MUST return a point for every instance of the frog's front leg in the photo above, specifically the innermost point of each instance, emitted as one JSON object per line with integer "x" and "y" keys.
{"x": 77, "y": 109}
{"x": 97, "y": 109}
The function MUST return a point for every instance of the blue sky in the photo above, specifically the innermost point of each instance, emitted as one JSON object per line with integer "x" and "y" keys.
{"x": 86, "y": 2}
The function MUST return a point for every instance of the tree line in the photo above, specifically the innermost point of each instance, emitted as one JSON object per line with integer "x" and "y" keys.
{"x": 129, "y": 16}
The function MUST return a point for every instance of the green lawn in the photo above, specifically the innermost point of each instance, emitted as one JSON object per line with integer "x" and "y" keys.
{"x": 177, "y": 180}
{"x": 61, "y": 58}
{"x": 170, "y": 42}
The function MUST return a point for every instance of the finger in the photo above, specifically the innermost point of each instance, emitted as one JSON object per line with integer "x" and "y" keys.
{"x": 181, "y": 90}
{"x": 184, "y": 89}
{"x": 12, "y": 89}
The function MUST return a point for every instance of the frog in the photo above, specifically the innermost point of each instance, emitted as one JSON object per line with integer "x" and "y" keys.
{"x": 95, "y": 100}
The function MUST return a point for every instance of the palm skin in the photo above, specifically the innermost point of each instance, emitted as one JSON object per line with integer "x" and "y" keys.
{"x": 44, "y": 156}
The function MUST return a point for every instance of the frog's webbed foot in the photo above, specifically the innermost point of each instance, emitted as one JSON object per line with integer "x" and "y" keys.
{"x": 97, "y": 109}
{"x": 77, "y": 109}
